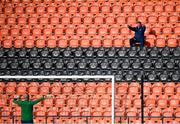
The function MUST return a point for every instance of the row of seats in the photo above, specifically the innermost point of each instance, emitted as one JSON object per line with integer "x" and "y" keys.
{"x": 87, "y": 20}
{"x": 81, "y": 88}
{"x": 84, "y": 43}
{"x": 73, "y": 54}
{"x": 102, "y": 31}
{"x": 93, "y": 8}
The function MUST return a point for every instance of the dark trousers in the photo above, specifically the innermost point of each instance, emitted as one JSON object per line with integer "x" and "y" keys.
{"x": 133, "y": 42}
{"x": 27, "y": 122}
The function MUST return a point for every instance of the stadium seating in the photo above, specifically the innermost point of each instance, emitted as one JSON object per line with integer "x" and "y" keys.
{"x": 93, "y": 98}
{"x": 90, "y": 37}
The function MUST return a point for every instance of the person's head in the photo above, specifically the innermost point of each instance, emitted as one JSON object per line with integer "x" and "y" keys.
{"x": 26, "y": 97}
{"x": 139, "y": 24}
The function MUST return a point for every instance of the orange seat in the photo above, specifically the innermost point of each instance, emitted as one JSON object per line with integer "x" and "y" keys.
{"x": 32, "y": 20}
{"x": 76, "y": 20}
{"x": 14, "y": 32}
{"x": 74, "y": 43}
{"x": 172, "y": 42}
{"x": 72, "y": 102}
{"x": 44, "y": 90}
{"x": 177, "y": 8}
{"x": 142, "y": 19}
{"x": 169, "y": 8}
{"x": 173, "y": 19}
{"x": 116, "y": 9}
{"x": 150, "y": 101}
{"x": 61, "y": 9}
{"x": 156, "y": 112}
{"x": 96, "y": 43}
{"x": 160, "y": 42}
{"x": 167, "y": 30}
{"x": 18, "y": 43}
{"x": 121, "y": 20}
{"x": 4, "y": 32}
{"x": 93, "y": 102}
{"x": 162, "y": 101}
{"x": 48, "y": 102}
{"x": 72, "y": 9}
{"x": 83, "y": 102}
{"x": 152, "y": 19}
{"x": 2, "y": 21}
{"x": 33, "y": 90}
{"x": 127, "y": 9}
{"x": 125, "y": 31}
{"x": 162, "y": 19}
{"x": 40, "y": 43}
{"x": 83, "y": 9}
{"x": 60, "y": 102}
{"x": 10, "y": 90}
{"x": 19, "y": 10}
{"x": 29, "y": 10}
{"x": 8, "y": 10}
{"x": 94, "y": 9}
{"x": 174, "y": 101}
{"x": 7, "y": 43}
{"x": 22, "y": 21}
{"x": 29, "y": 43}
{"x": 109, "y": 20}
{"x": 21, "y": 90}
{"x": 105, "y": 9}
{"x": 67, "y": 90}
{"x": 133, "y": 88}
{"x": 148, "y": 8}
{"x": 25, "y": 31}
{"x": 40, "y": 9}
{"x": 157, "y": 88}
{"x": 87, "y": 20}
{"x": 54, "y": 20}
{"x": 51, "y": 9}
{"x": 177, "y": 30}
{"x": 138, "y": 9}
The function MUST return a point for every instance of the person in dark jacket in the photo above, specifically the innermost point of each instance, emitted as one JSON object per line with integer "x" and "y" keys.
{"x": 27, "y": 107}
{"x": 139, "y": 34}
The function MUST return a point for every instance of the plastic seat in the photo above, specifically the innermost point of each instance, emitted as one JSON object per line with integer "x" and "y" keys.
{"x": 157, "y": 88}
{"x": 114, "y": 31}
{"x": 172, "y": 42}
{"x": 150, "y": 101}
{"x": 125, "y": 31}
{"x": 148, "y": 8}
{"x": 109, "y": 20}
{"x": 83, "y": 9}
{"x": 2, "y": 21}
{"x": 61, "y": 9}
{"x": 169, "y": 8}
{"x": 69, "y": 31}
{"x": 116, "y": 9}
{"x": 105, "y": 9}
{"x": 162, "y": 101}
{"x": 167, "y": 112}
{"x": 138, "y": 9}
{"x": 43, "y": 20}
{"x": 40, "y": 9}
{"x": 48, "y": 102}
{"x": 152, "y": 19}
{"x": 127, "y": 9}
{"x": 87, "y": 20}
{"x": 162, "y": 19}
{"x": 51, "y": 43}
{"x": 29, "y": 10}
{"x": 102, "y": 31}
{"x": 67, "y": 90}
{"x": 107, "y": 43}
{"x": 158, "y": 8}
{"x": 40, "y": 43}
{"x": 83, "y": 102}
{"x": 156, "y": 112}
{"x": 142, "y": 19}
{"x": 167, "y": 30}
{"x": 174, "y": 101}
{"x": 94, "y": 9}
{"x": 44, "y": 90}
{"x": 10, "y": 90}
{"x": 54, "y": 20}
{"x": 72, "y": 102}
{"x": 29, "y": 43}
{"x": 118, "y": 42}
{"x": 96, "y": 43}
{"x": 14, "y": 32}
{"x": 160, "y": 42}
{"x": 32, "y": 20}
{"x": 147, "y": 88}
{"x": 177, "y": 30}
{"x": 21, "y": 90}
{"x": 76, "y": 20}
{"x": 4, "y": 32}
{"x": 19, "y": 10}
{"x": 8, "y": 10}
{"x": 173, "y": 19}
{"x": 133, "y": 88}
{"x": 22, "y": 21}
{"x": 98, "y": 20}
{"x": 121, "y": 20}
{"x": 7, "y": 43}
{"x": 72, "y": 9}
{"x": 177, "y": 8}
{"x": 11, "y": 21}
{"x": 33, "y": 90}
{"x": 73, "y": 43}
{"x": 51, "y": 9}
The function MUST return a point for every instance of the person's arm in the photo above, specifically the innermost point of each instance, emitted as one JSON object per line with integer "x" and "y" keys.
{"x": 132, "y": 28}
{"x": 38, "y": 100}
{"x": 144, "y": 28}
{"x": 17, "y": 100}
